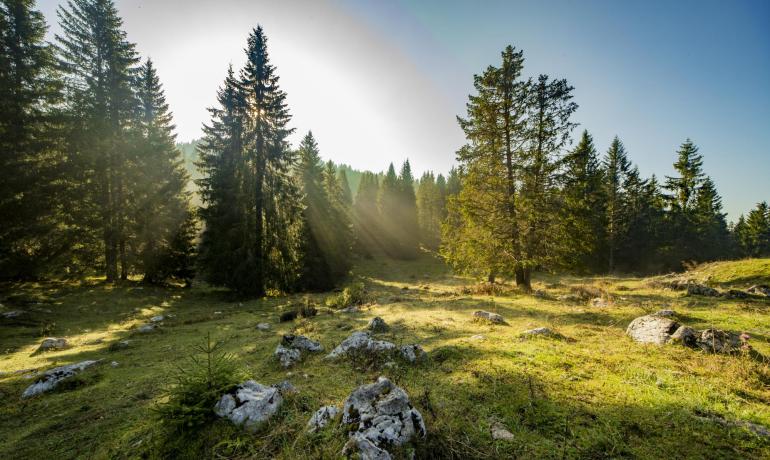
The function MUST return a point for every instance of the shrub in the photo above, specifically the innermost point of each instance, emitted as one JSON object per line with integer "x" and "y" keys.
{"x": 288, "y": 316}
{"x": 307, "y": 310}
{"x": 355, "y": 294}
{"x": 199, "y": 386}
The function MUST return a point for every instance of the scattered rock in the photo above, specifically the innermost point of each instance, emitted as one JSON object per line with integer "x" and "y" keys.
{"x": 289, "y": 351}
{"x": 413, "y": 353}
{"x": 52, "y": 343}
{"x": 500, "y": 432}
{"x": 98, "y": 341}
{"x": 542, "y": 331}
{"x": 684, "y": 335}
{"x": 716, "y": 341}
{"x": 114, "y": 364}
{"x": 13, "y": 314}
{"x": 287, "y": 356}
{"x": 121, "y": 345}
{"x": 377, "y": 324}
{"x": 599, "y": 302}
{"x": 737, "y": 294}
{"x": 350, "y": 309}
{"x": 361, "y": 341}
{"x": 264, "y": 326}
{"x": 51, "y": 378}
{"x": 321, "y": 418}
{"x": 702, "y": 290}
{"x": 488, "y": 316}
{"x": 478, "y": 337}
{"x": 249, "y": 405}
{"x": 285, "y": 387}
{"x": 652, "y": 329}
{"x": 383, "y": 417}
{"x": 147, "y": 328}
{"x": 760, "y": 290}
{"x": 665, "y": 313}
{"x": 157, "y": 319}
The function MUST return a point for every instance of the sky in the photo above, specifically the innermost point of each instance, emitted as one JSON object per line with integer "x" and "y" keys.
{"x": 381, "y": 81}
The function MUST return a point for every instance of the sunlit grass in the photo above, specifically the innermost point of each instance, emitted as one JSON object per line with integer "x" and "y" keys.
{"x": 593, "y": 393}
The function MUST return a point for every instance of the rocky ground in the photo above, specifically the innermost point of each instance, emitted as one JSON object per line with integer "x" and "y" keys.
{"x": 432, "y": 365}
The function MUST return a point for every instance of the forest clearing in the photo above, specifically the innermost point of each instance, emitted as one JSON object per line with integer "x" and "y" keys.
{"x": 589, "y": 392}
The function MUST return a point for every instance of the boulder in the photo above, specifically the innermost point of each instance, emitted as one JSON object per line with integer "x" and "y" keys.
{"x": 157, "y": 319}
{"x": 263, "y": 326}
{"x": 287, "y": 356}
{"x": 361, "y": 341}
{"x": 289, "y": 351}
{"x": 493, "y": 318}
{"x": 12, "y": 314}
{"x": 382, "y": 417}
{"x": 652, "y": 329}
{"x": 321, "y": 418}
{"x": 702, "y": 290}
{"x": 51, "y": 378}
{"x": 249, "y": 405}
{"x": 300, "y": 342}
{"x": 377, "y": 324}
{"x": 52, "y": 343}
{"x": 285, "y": 387}
{"x": 413, "y": 353}
{"x": 716, "y": 341}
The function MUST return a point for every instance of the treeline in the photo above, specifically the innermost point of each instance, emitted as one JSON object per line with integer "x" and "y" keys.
{"x": 91, "y": 174}
{"x": 94, "y": 183}
{"x": 527, "y": 202}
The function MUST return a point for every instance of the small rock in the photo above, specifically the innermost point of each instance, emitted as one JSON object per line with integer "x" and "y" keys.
{"x": 716, "y": 341}
{"x": 361, "y": 341}
{"x": 264, "y": 326}
{"x": 737, "y": 294}
{"x": 665, "y": 313}
{"x": 500, "y": 432}
{"x": 382, "y": 417}
{"x": 157, "y": 319}
{"x": 114, "y": 364}
{"x": 51, "y": 378}
{"x": 147, "y": 328}
{"x": 478, "y": 337}
{"x": 651, "y": 329}
{"x": 413, "y": 353}
{"x": 121, "y": 345}
{"x": 287, "y": 356}
{"x": 377, "y": 324}
{"x": 702, "y": 290}
{"x": 599, "y": 302}
{"x": 488, "y": 316}
{"x": 249, "y": 405}
{"x": 285, "y": 387}
{"x": 684, "y": 335}
{"x": 544, "y": 331}
{"x": 350, "y": 309}
{"x": 13, "y": 314}
{"x": 52, "y": 343}
{"x": 321, "y": 418}
{"x": 301, "y": 342}
{"x": 760, "y": 290}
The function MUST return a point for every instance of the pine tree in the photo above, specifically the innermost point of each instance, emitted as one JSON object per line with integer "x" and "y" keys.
{"x": 100, "y": 67}
{"x": 616, "y": 171}
{"x": 407, "y": 229}
{"x": 758, "y": 231}
{"x": 583, "y": 208}
{"x": 388, "y": 202}
{"x": 32, "y": 237}
{"x": 710, "y": 225}
{"x": 347, "y": 195}
{"x": 221, "y": 153}
{"x": 428, "y": 218}
{"x": 160, "y": 202}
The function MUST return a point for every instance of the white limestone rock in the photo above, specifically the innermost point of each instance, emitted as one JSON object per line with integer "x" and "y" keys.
{"x": 52, "y": 377}
{"x": 249, "y": 405}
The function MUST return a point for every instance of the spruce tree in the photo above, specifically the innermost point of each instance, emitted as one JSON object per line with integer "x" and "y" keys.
{"x": 159, "y": 197}
{"x": 32, "y": 197}
{"x": 757, "y": 234}
{"x": 366, "y": 216}
{"x": 100, "y": 67}
{"x": 407, "y": 229}
{"x": 583, "y": 208}
{"x": 388, "y": 202}
{"x": 346, "y": 193}
{"x": 616, "y": 170}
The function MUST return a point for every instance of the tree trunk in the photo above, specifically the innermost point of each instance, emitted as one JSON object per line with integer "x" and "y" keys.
{"x": 491, "y": 277}
{"x": 524, "y": 278}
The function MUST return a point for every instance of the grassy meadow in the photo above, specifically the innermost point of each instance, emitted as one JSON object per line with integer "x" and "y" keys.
{"x": 592, "y": 393}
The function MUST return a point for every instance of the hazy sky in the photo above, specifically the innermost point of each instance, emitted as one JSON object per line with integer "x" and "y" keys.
{"x": 379, "y": 81}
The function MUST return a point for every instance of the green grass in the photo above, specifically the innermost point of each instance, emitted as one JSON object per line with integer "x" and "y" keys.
{"x": 735, "y": 273}
{"x": 592, "y": 394}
